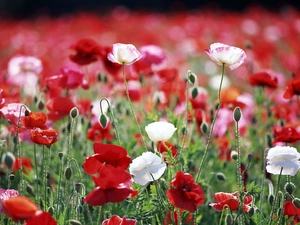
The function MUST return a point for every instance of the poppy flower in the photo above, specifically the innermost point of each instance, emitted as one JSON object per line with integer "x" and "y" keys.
{"x": 7, "y": 194}
{"x": 43, "y": 137}
{"x": 2, "y": 99}
{"x": 86, "y": 51}
{"x": 164, "y": 147}
{"x": 26, "y": 165}
{"x": 124, "y": 54}
{"x": 111, "y": 67}
{"x": 116, "y": 220}
{"x": 293, "y": 88}
{"x": 263, "y": 79}
{"x": 106, "y": 154}
{"x": 98, "y": 133}
{"x": 41, "y": 217}
{"x": 289, "y": 209}
{"x": 173, "y": 219}
{"x": 35, "y": 119}
{"x": 230, "y": 56}
{"x": 59, "y": 107}
{"x": 146, "y": 168}
{"x": 284, "y": 157}
{"x": 19, "y": 208}
{"x": 112, "y": 186}
{"x": 160, "y": 131}
{"x": 286, "y": 134}
{"x": 185, "y": 194}
{"x": 231, "y": 201}
{"x": 13, "y": 111}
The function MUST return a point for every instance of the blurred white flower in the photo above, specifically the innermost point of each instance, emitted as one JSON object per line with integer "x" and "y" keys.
{"x": 124, "y": 54}
{"x": 285, "y": 157}
{"x": 147, "y": 167}
{"x": 160, "y": 131}
{"x": 231, "y": 56}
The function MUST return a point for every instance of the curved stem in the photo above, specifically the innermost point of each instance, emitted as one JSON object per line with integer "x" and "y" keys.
{"x": 238, "y": 161}
{"x": 131, "y": 107}
{"x": 212, "y": 126}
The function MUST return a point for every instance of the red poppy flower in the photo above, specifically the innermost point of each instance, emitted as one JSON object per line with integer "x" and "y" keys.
{"x": 86, "y": 51}
{"x": 98, "y": 133}
{"x": 41, "y": 217}
{"x": 116, "y": 220}
{"x": 263, "y": 79}
{"x": 228, "y": 200}
{"x": 19, "y": 208}
{"x": 59, "y": 107}
{"x": 164, "y": 147}
{"x": 286, "y": 134}
{"x": 168, "y": 74}
{"x": 106, "y": 154}
{"x": 293, "y": 88}
{"x": 44, "y": 137}
{"x": 186, "y": 193}
{"x": 35, "y": 119}
{"x": 2, "y": 99}
{"x": 290, "y": 210}
{"x": 174, "y": 219}
{"x": 112, "y": 186}
{"x": 26, "y": 165}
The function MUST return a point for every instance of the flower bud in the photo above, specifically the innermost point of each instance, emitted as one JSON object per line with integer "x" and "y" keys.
{"x": 77, "y": 187}
{"x": 228, "y": 219}
{"x": 237, "y": 114}
{"x": 75, "y": 222}
{"x": 296, "y": 203}
{"x": 51, "y": 210}
{"x": 103, "y": 121}
{"x": 40, "y": 105}
{"x": 60, "y": 155}
{"x": 271, "y": 199}
{"x": 251, "y": 211}
{"x": 8, "y": 159}
{"x": 74, "y": 112}
{"x": 194, "y": 92}
{"x": 289, "y": 188}
{"x": 234, "y": 155}
{"x": 68, "y": 173}
{"x": 204, "y": 127}
{"x": 30, "y": 190}
{"x": 221, "y": 176}
{"x": 249, "y": 157}
{"x": 11, "y": 177}
{"x": 26, "y": 113}
{"x": 191, "y": 77}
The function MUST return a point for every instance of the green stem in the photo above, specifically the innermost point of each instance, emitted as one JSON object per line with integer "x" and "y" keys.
{"x": 100, "y": 217}
{"x": 36, "y": 175}
{"x": 212, "y": 126}
{"x": 238, "y": 161}
{"x": 131, "y": 107}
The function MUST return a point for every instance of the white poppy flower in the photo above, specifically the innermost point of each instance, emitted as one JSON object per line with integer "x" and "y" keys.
{"x": 160, "y": 131}
{"x": 146, "y": 168}
{"x": 283, "y": 157}
{"x": 231, "y": 56}
{"x": 124, "y": 54}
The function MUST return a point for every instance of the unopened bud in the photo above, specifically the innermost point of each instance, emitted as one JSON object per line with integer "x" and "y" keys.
{"x": 11, "y": 177}
{"x": 296, "y": 203}
{"x": 51, "y": 210}
{"x": 237, "y": 114}
{"x": 75, "y": 222}
{"x": 289, "y": 188}
{"x": 26, "y": 113}
{"x": 204, "y": 127}
{"x": 30, "y": 190}
{"x": 74, "y": 112}
{"x": 103, "y": 121}
{"x": 271, "y": 199}
{"x": 191, "y": 77}
{"x": 251, "y": 211}
{"x": 234, "y": 155}
{"x": 8, "y": 159}
{"x": 194, "y": 92}
{"x": 60, "y": 155}
{"x": 228, "y": 219}
{"x": 249, "y": 157}
{"x": 221, "y": 176}
{"x": 68, "y": 173}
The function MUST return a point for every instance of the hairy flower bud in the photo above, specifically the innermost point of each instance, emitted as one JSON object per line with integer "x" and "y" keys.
{"x": 289, "y": 188}
{"x": 74, "y": 112}
{"x": 103, "y": 121}
{"x": 68, "y": 173}
{"x": 296, "y": 203}
{"x": 237, "y": 114}
{"x": 221, "y": 176}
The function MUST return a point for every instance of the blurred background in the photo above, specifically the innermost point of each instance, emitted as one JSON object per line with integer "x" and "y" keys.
{"x": 32, "y": 8}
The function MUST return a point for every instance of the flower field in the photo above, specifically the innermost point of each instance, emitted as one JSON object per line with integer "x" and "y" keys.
{"x": 139, "y": 117}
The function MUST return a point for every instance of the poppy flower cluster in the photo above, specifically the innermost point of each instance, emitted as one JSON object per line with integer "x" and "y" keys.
{"x": 21, "y": 208}
{"x": 113, "y": 181}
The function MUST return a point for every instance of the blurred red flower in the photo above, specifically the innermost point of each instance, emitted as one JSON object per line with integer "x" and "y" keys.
{"x": 290, "y": 210}
{"x": 286, "y": 134}
{"x": 164, "y": 147}
{"x": 35, "y": 119}
{"x": 106, "y": 154}
{"x": 98, "y": 133}
{"x": 116, "y": 220}
{"x": 86, "y": 51}
{"x": 2, "y": 99}
{"x": 110, "y": 67}
{"x": 19, "y": 208}
{"x": 44, "y": 137}
{"x": 174, "y": 219}
{"x": 26, "y": 165}
{"x": 186, "y": 193}
{"x": 293, "y": 88}
{"x": 41, "y": 218}
{"x": 112, "y": 186}
{"x": 59, "y": 107}
{"x": 263, "y": 79}
{"x": 231, "y": 201}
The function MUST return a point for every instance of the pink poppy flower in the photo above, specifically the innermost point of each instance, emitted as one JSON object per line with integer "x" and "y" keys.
{"x": 124, "y": 54}
{"x": 116, "y": 220}
{"x": 231, "y": 56}
{"x": 7, "y": 194}
{"x": 13, "y": 111}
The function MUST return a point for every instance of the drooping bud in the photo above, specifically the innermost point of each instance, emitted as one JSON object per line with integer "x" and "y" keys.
{"x": 271, "y": 199}
{"x": 194, "y": 92}
{"x": 30, "y": 190}
{"x": 74, "y": 112}
{"x": 103, "y": 121}
{"x": 234, "y": 155}
{"x": 237, "y": 114}
{"x": 221, "y": 176}
{"x": 204, "y": 127}
{"x": 251, "y": 211}
{"x": 26, "y": 113}
{"x": 289, "y": 187}
{"x": 296, "y": 203}
{"x": 8, "y": 159}
{"x": 75, "y": 222}
{"x": 191, "y": 77}
{"x": 228, "y": 219}
{"x": 60, "y": 155}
